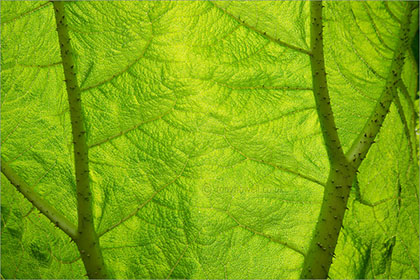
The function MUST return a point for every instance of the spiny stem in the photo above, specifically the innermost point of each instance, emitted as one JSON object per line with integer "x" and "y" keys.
{"x": 321, "y": 250}
{"x": 343, "y": 168}
{"x": 42, "y": 205}
{"x": 363, "y": 142}
{"x": 87, "y": 239}
{"x": 320, "y": 87}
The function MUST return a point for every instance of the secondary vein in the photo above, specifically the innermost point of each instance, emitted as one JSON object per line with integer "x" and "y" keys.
{"x": 268, "y": 36}
{"x": 41, "y": 204}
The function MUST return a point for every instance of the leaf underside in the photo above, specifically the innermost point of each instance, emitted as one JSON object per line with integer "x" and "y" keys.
{"x": 205, "y": 150}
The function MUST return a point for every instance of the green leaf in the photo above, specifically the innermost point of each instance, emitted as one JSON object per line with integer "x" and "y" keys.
{"x": 208, "y": 155}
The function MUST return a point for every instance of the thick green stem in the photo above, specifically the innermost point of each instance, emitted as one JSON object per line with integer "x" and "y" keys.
{"x": 320, "y": 87}
{"x": 87, "y": 239}
{"x": 343, "y": 167}
{"x": 321, "y": 250}
{"x": 42, "y": 205}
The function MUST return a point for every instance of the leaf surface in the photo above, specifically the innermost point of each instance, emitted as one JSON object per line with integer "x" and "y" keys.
{"x": 206, "y": 154}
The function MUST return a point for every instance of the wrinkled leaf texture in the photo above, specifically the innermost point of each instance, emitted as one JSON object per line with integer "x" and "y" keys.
{"x": 204, "y": 135}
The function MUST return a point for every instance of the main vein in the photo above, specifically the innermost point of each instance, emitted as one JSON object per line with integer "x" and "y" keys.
{"x": 343, "y": 168}
{"x": 321, "y": 249}
{"x": 87, "y": 239}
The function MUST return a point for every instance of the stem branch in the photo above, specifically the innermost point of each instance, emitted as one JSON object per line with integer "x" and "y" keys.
{"x": 336, "y": 192}
{"x": 320, "y": 87}
{"x": 42, "y": 205}
{"x": 364, "y": 141}
{"x": 343, "y": 167}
